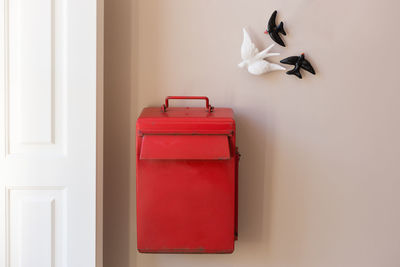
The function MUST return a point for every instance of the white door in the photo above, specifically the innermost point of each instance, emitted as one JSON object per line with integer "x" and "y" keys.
{"x": 47, "y": 133}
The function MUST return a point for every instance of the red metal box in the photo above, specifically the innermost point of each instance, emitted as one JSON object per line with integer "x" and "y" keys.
{"x": 186, "y": 179}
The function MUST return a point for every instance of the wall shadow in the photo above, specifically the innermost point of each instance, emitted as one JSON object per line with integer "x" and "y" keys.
{"x": 118, "y": 69}
{"x": 255, "y": 175}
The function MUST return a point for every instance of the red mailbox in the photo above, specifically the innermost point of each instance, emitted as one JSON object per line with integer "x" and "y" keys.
{"x": 186, "y": 179}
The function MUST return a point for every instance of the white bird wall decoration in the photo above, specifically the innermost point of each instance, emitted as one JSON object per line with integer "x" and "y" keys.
{"x": 255, "y": 60}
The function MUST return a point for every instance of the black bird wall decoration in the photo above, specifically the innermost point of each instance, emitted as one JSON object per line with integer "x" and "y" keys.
{"x": 298, "y": 62}
{"x": 274, "y": 31}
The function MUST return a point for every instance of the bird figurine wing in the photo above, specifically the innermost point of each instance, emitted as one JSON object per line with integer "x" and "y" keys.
{"x": 262, "y": 66}
{"x": 290, "y": 60}
{"x": 248, "y": 49}
{"x": 255, "y": 60}
{"x": 275, "y": 36}
{"x": 271, "y": 21}
{"x": 265, "y": 53}
{"x": 307, "y": 66}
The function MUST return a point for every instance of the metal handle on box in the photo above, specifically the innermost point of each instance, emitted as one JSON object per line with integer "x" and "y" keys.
{"x": 208, "y": 106}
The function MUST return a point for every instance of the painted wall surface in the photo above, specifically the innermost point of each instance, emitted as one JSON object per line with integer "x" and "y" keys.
{"x": 319, "y": 175}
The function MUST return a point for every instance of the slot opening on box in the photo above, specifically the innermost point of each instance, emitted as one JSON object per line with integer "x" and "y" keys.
{"x": 194, "y": 147}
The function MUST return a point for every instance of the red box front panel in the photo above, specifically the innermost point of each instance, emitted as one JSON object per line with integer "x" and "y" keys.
{"x": 185, "y": 206}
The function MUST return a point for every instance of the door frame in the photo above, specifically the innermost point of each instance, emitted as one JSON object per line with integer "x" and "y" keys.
{"x": 99, "y": 132}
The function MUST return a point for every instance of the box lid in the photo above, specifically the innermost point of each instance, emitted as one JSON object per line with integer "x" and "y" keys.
{"x": 185, "y": 120}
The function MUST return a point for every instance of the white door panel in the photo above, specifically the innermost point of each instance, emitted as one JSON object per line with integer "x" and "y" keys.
{"x": 36, "y": 82}
{"x": 47, "y": 133}
{"x": 36, "y": 225}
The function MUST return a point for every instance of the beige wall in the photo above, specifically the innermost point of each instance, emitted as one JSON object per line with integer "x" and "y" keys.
{"x": 319, "y": 176}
